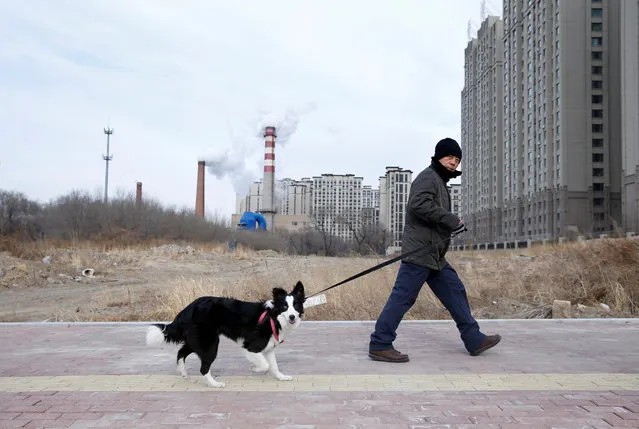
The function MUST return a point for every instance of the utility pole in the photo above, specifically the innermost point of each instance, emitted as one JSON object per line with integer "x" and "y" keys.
{"x": 108, "y": 157}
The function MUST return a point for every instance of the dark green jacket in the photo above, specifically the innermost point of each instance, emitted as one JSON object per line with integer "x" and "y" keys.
{"x": 428, "y": 220}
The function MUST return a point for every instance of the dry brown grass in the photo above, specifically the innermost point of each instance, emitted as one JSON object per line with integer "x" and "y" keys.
{"x": 38, "y": 249}
{"x": 587, "y": 272}
{"x": 518, "y": 284}
{"x": 500, "y": 284}
{"x": 504, "y": 284}
{"x": 187, "y": 290}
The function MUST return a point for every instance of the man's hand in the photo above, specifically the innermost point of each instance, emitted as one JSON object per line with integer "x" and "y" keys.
{"x": 459, "y": 229}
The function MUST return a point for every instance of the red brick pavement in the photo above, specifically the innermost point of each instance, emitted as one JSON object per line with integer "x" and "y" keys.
{"x": 529, "y": 347}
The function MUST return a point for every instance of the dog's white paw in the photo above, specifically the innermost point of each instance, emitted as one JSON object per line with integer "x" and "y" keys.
{"x": 282, "y": 377}
{"x": 255, "y": 368}
{"x": 181, "y": 370}
{"x": 212, "y": 382}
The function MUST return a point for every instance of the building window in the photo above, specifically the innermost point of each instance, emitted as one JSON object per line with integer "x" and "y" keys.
{"x": 597, "y": 142}
{"x": 596, "y": 26}
{"x": 596, "y": 70}
{"x": 597, "y": 172}
{"x": 597, "y": 113}
{"x": 597, "y": 202}
{"x": 596, "y": 55}
{"x": 597, "y": 157}
{"x": 597, "y": 84}
{"x": 597, "y": 12}
{"x": 597, "y": 99}
{"x": 597, "y": 128}
{"x": 597, "y": 187}
{"x": 596, "y": 41}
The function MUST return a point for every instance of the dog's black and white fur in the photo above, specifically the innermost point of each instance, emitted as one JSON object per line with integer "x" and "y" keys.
{"x": 258, "y": 327}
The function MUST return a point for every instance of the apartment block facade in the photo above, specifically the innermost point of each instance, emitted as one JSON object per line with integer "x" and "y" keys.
{"x": 370, "y": 196}
{"x": 629, "y": 52}
{"x": 454, "y": 189}
{"x": 370, "y": 205}
{"x": 337, "y": 204}
{"x": 482, "y": 131}
{"x": 394, "y": 188}
{"x": 567, "y": 90}
{"x": 293, "y": 197}
{"x": 252, "y": 201}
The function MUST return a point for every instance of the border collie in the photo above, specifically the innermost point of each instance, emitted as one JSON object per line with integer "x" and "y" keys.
{"x": 258, "y": 327}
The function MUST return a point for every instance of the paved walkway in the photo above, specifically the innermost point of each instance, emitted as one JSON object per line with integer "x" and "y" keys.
{"x": 544, "y": 374}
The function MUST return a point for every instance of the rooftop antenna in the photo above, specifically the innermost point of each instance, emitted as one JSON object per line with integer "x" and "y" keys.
{"x": 108, "y": 157}
{"x": 469, "y": 30}
{"x": 483, "y": 10}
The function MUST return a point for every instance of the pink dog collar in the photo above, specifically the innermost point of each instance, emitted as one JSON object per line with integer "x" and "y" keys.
{"x": 272, "y": 326}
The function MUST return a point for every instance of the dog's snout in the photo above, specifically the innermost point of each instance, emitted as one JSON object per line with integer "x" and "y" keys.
{"x": 291, "y": 317}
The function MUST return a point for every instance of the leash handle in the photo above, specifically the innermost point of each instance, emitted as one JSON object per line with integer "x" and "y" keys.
{"x": 383, "y": 264}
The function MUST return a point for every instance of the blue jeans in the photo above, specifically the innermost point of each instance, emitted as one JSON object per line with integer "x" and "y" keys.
{"x": 448, "y": 288}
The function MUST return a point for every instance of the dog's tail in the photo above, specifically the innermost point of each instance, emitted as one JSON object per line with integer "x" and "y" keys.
{"x": 160, "y": 333}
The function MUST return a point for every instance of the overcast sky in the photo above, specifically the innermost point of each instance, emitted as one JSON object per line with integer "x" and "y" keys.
{"x": 363, "y": 84}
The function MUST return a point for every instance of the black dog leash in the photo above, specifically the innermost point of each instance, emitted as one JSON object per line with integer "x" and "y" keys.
{"x": 385, "y": 263}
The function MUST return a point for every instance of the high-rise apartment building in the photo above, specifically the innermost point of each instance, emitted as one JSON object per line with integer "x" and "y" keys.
{"x": 370, "y": 205}
{"x": 629, "y": 52}
{"x": 294, "y": 197}
{"x": 252, "y": 201}
{"x": 454, "y": 189}
{"x": 569, "y": 105}
{"x": 562, "y": 151}
{"x": 370, "y": 196}
{"x": 394, "y": 188}
{"x": 337, "y": 204}
{"x": 482, "y": 132}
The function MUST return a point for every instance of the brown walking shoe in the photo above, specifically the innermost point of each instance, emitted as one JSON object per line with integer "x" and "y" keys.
{"x": 389, "y": 355}
{"x": 489, "y": 342}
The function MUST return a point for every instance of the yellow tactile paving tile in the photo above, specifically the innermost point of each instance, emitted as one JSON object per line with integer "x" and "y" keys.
{"x": 324, "y": 383}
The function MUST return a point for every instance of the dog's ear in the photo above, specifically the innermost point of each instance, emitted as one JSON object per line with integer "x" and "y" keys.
{"x": 278, "y": 293}
{"x": 298, "y": 290}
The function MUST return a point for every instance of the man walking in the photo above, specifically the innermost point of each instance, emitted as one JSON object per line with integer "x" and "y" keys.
{"x": 429, "y": 222}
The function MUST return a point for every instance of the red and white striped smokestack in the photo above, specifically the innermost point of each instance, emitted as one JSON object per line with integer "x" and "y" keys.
{"x": 268, "y": 198}
{"x": 199, "y": 198}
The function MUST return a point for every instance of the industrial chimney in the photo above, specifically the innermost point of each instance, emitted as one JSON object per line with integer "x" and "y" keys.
{"x": 199, "y": 198}
{"x": 268, "y": 199}
{"x": 138, "y": 194}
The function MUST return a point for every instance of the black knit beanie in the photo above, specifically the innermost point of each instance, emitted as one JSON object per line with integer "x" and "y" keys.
{"x": 447, "y": 147}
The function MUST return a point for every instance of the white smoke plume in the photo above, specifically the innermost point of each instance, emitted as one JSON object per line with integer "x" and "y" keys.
{"x": 285, "y": 123}
{"x": 231, "y": 165}
{"x": 243, "y": 164}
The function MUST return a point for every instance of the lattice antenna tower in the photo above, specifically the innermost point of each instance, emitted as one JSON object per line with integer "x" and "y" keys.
{"x": 107, "y": 158}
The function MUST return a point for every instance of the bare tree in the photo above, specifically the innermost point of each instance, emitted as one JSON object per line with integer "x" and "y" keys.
{"x": 368, "y": 236}
{"x": 18, "y": 214}
{"x": 376, "y": 238}
{"x": 75, "y": 216}
{"x": 307, "y": 241}
{"x": 325, "y": 222}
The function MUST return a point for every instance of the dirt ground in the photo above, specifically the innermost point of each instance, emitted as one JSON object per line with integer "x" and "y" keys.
{"x": 132, "y": 284}
{"x": 128, "y": 283}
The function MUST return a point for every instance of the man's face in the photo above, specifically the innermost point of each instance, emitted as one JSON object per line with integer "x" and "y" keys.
{"x": 451, "y": 162}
